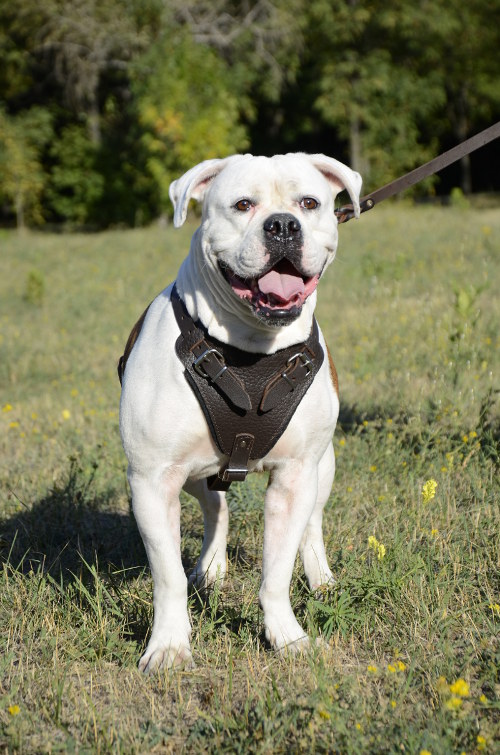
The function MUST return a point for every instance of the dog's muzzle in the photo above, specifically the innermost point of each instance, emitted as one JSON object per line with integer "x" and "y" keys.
{"x": 279, "y": 291}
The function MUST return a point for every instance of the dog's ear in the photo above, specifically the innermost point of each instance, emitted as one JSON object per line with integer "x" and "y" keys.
{"x": 193, "y": 185}
{"x": 340, "y": 177}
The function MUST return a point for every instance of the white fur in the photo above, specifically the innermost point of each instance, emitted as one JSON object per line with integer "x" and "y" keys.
{"x": 164, "y": 432}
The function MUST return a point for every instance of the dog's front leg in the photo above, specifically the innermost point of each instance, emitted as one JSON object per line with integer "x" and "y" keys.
{"x": 156, "y": 506}
{"x": 290, "y": 499}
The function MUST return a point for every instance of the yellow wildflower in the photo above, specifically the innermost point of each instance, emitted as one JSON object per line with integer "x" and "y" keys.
{"x": 481, "y": 742}
{"x": 376, "y": 547}
{"x": 460, "y": 688}
{"x": 391, "y": 668}
{"x": 483, "y": 699}
{"x": 495, "y": 607}
{"x": 7, "y": 408}
{"x": 324, "y": 714}
{"x": 393, "y": 703}
{"x": 66, "y": 414}
{"x": 14, "y": 710}
{"x": 454, "y": 703}
{"x": 429, "y": 490}
{"x": 425, "y": 752}
{"x": 13, "y": 425}
{"x": 372, "y": 669}
{"x": 401, "y": 666}
{"x": 373, "y": 468}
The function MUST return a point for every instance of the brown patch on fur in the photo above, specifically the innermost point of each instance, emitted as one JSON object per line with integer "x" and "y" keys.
{"x": 333, "y": 372}
{"x": 134, "y": 335}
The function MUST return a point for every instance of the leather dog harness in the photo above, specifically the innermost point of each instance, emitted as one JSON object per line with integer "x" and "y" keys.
{"x": 248, "y": 399}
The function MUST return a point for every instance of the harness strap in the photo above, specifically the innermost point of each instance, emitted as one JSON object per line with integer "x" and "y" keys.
{"x": 134, "y": 335}
{"x": 237, "y": 467}
{"x": 208, "y": 361}
{"x": 248, "y": 399}
{"x": 298, "y": 367}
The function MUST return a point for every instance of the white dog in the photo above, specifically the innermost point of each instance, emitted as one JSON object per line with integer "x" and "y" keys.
{"x": 244, "y": 299}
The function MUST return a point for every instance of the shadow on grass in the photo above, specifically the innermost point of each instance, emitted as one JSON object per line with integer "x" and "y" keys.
{"x": 70, "y": 525}
{"x": 76, "y": 536}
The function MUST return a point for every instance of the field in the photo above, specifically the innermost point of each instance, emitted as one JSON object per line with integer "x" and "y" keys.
{"x": 411, "y": 312}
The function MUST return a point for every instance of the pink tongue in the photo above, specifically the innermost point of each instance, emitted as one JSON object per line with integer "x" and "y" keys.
{"x": 283, "y": 286}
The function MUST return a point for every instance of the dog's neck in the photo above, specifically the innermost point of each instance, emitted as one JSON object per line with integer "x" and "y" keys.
{"x": 227, "y": 318}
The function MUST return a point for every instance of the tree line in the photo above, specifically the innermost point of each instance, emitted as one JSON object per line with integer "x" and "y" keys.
{"x": 104, "y": 102}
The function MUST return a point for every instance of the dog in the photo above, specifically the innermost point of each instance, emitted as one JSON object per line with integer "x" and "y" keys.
{"x": 248, "y": 285}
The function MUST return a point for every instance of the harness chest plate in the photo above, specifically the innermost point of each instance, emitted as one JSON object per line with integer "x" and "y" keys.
{"x": 248, "y": 399}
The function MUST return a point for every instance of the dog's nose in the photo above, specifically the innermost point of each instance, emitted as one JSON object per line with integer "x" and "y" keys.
{"x": 282, "y": 227}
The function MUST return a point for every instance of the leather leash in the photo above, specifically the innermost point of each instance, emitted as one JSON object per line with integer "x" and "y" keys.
{"x": 418, "y": 174}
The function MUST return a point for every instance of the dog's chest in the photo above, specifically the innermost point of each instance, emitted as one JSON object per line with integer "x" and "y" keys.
{"x": 247, "y": 399}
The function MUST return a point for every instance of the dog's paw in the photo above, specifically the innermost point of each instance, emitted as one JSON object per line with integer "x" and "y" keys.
{"x": 285, "y": 634}
{"x": 320, "y": 578}
{"x": 304, "y": 645}
{"x": 324, "y": 589}
{"x": 165, "y": 656}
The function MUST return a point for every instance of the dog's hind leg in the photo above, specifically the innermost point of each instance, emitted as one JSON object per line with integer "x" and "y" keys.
{"x": 211, "y": 565}
{"x": 290, "y": 500}
{"x": 312, "y": 546}
{"x": 156, "y": 506}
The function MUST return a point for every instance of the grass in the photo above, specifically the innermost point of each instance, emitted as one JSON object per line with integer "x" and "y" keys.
{"x": 410, "y": 310}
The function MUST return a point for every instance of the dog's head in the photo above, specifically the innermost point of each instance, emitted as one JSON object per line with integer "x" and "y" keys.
{"x": 268, "y": 228}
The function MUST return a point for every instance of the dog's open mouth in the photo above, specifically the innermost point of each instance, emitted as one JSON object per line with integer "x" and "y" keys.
{"x": 278, "y": 294}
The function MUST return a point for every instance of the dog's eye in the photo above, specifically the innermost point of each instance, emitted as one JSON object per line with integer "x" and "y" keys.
{"x": 309, "y": 203}
{"x": 243, "y": 205}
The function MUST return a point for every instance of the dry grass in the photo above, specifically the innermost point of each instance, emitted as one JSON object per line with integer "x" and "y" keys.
{"x": 411, "y": 312}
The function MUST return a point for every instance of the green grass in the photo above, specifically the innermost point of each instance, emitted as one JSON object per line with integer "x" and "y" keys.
{"x": 410, "y": 310}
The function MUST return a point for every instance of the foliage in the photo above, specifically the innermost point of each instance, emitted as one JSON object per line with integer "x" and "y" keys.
{"x": 75, "y": 182}
{"x": 22, "y": 139}
{"x": 186, "y": 108}
{"x": 159, "y": 85}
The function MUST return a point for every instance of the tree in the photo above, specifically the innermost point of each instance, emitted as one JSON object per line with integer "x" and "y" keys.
{"x": 22, "y": 179}
{"x": 460, "y": 47}
{"x": 75, "y": 185}
{"x": 187, "y": 109}
{"x": 370, "y": 87}
{"x": 83, "y": 41}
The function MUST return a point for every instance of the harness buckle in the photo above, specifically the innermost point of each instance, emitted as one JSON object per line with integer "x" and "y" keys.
{"x": 305, "y": 361}
{"x": 198, "y": 364}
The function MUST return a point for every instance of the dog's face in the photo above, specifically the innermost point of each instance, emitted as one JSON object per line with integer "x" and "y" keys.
{"x": 269, "y": 229}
